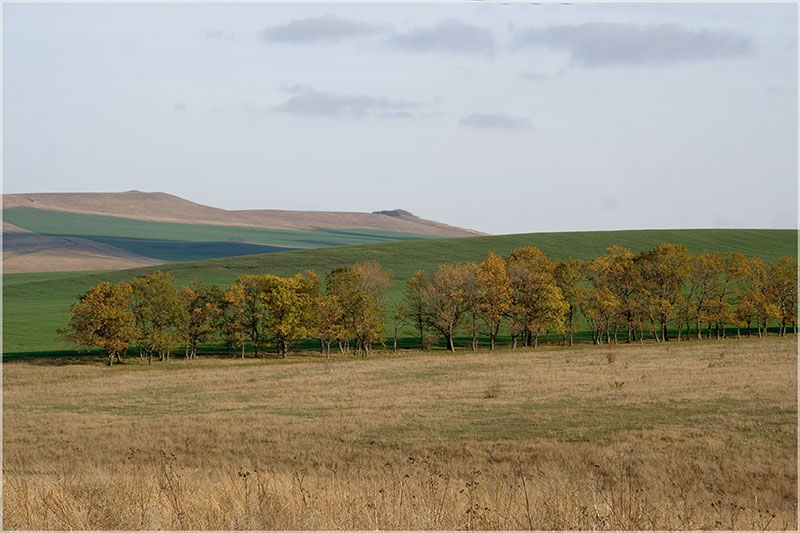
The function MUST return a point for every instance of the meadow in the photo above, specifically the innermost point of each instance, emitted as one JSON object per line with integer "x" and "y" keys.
{"x": 682, "y": 435}
{"x": 36, "y": 305}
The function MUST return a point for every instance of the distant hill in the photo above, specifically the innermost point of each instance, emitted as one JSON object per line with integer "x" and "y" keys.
{"x": 37, "y": 304}
{"x": 50, "y": 232}
{"x": 162, "y": 207}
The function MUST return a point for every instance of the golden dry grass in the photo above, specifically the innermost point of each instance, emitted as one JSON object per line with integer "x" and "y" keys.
{"x": 681, "y": 436}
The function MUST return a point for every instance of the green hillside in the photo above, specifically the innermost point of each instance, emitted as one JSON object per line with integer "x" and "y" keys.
{"x": 189, "y": 242}
{"x": 35, "y": 305}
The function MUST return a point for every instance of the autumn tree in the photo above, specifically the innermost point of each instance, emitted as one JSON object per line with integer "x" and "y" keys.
{"x": 664, "y": 271}
{"x": 327, "y": 318}
{"x": 473, "y": 300}
{"x": 361, "y": 290}
{"x": 101, "y": 319}
{"x": 706, "y": 271}
{"x": 203, "y": 305}
{"x": 781, "y": 291}
{"x": 721, "y": 308}
{"x": 569, "y": 277}
{"x": 495, "y": 295}
{"x": 158, "y": 313}
{"x": 759, "y": 294}
{"x": 414, "y": 299}
{"x": 748, "y": 294}
{"x": 231, "y": 326}
{"x": 446, "y": 301}
{"x": 287, "y": 305}
{"x": 601, "y": 305}
{"x": 245, "y": 311}
{"x": 537, "y": 303}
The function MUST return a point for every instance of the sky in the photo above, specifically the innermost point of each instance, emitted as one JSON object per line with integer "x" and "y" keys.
{"x": 501, "y": 118}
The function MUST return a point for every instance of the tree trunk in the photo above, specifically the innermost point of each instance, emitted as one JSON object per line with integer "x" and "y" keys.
{"x": 491, "y": 341}
{"x": 450, "y": 345}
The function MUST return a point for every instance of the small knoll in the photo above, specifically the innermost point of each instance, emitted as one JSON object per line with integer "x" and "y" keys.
{"x": 163, "y": 207}
{"x": 395, "y": 213}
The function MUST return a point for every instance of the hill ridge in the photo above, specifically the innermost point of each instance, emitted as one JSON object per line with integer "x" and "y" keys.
{"x": 165, "y": 207}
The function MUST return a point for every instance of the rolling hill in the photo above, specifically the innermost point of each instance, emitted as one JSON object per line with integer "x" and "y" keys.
{"x": 25, "y": 251}
{"x": 37, "y": 304}
{"x": 91, "y": 231}
{"x": 163, "y": 207}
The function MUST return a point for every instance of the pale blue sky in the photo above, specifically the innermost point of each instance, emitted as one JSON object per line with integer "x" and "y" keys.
{"x": 502, "y": 118}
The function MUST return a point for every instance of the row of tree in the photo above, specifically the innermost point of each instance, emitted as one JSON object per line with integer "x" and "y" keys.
{"x": 527, "y": 294}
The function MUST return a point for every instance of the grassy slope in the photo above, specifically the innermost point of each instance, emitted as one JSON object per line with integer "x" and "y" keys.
{"x": 36, "y": 305}
{"x": 188, "y": 242}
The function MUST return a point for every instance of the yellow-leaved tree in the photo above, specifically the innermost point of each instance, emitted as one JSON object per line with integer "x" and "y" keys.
{"x": 537, "y": 305}
{"x": 495, "y": 293}
{"x": 101, "y": 319}
{"x": 288, "y": 307}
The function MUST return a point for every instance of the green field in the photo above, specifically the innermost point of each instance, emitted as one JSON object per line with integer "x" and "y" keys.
{"x": 189, "y": 242}
{"x": 36, "y": 305}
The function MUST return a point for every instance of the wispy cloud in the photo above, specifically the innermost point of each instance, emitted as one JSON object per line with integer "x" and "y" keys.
{"x": 220, "y": 34}
{"x": 448, "y": 36}
{"x": 605, "y": 43}
{"x": 500, "y": 121}
{"x": 310, "y": 102}
{"x": 540, "y": 76}
{"x": 325, "y": 29}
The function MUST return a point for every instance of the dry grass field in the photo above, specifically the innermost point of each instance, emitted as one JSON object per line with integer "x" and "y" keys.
{"x": 690, "y": 435}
